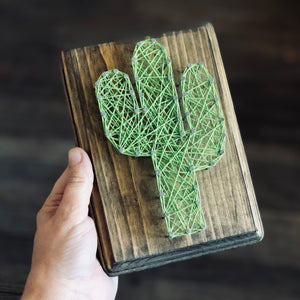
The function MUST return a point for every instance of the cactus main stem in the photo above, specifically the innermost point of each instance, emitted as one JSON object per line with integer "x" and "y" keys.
{"x": 179, "y": 195}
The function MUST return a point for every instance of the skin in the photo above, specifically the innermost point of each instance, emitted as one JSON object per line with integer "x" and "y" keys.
{"x": 64, "y": 264}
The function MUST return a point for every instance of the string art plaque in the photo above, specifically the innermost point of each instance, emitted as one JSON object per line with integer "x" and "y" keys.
{"x": 181, "y": 137}
{"x": 154, "y": 121}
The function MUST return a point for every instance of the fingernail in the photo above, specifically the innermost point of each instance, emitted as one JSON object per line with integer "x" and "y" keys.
{"x": 75, "y": 157}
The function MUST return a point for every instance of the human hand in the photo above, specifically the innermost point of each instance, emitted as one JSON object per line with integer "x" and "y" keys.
{"x": 64, "y": 264}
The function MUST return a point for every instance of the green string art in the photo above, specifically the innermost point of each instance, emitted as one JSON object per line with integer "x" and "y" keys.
{"x": 180, "y": 138}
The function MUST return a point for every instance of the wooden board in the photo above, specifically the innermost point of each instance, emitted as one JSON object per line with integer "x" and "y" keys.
{"x": 125, "y": 203}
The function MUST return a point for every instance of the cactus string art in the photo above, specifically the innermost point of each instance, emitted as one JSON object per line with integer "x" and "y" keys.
{"x": 182, "y": 131}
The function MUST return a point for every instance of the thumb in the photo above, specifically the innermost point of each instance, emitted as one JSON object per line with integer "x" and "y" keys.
{"x": 79, "y": 183}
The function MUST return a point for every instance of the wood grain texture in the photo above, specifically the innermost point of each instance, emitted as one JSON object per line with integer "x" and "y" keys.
{"x": 125, "y": 203}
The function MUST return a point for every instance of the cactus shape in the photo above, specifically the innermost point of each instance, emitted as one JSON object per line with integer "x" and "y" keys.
{"x": 182, "y": 134}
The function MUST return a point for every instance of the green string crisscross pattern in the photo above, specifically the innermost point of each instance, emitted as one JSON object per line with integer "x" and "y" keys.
{"x": 181, "y": 134}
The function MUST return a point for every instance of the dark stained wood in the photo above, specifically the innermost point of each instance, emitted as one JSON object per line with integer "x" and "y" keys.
{"x": 125, "y": 204}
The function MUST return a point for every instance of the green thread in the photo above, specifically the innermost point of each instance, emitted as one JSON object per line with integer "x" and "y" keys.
{"x": 152, "y": 124}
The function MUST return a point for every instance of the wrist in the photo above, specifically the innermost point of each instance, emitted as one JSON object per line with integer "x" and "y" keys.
{"x": 42, "y": 286}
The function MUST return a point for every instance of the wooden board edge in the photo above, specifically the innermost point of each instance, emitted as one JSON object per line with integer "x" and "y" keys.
{"x": 67, "y": 95}
{"x": 106, "y": 265}
{"x": 194, "y": 251}
{"x": 245, "y": 171}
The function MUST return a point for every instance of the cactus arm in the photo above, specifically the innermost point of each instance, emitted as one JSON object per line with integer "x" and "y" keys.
{"x": 118, "y": 104}
{"x": 204, "y": 116}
